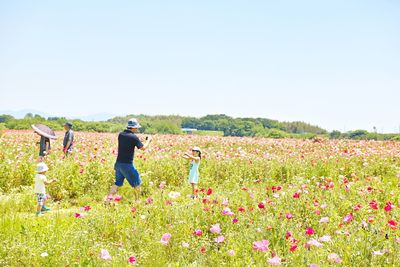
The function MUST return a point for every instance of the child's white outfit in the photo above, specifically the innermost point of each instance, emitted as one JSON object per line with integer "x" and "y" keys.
{"x": 40, "y": 188}
{"x": 194, "y": 172}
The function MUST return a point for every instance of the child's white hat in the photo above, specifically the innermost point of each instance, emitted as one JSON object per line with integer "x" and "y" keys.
{"x": 41, "y": 167}
{"x": 196, "y": 148}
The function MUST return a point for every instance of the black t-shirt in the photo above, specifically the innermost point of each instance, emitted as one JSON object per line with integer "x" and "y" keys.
{"x": 127, "y": 141}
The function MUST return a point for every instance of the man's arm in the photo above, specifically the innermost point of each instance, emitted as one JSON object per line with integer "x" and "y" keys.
{"x": 67, "y": 146}
{"x": 69, "y": 142}
{"x": 147, "y": 143}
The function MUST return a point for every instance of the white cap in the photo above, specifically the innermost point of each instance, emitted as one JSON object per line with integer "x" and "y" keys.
{"x": 196, "y": 148}
{"x": 41, "y": 167}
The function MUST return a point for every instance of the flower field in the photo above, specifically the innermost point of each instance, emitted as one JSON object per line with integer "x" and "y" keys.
{"x": 261, "y": 202}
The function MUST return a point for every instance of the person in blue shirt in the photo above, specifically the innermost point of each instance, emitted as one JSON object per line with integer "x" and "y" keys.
{"x": 194, "y": 158}
{"x": 124, "y": 167}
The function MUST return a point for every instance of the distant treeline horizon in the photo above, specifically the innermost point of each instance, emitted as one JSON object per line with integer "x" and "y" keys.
{"x": 218, "y": 124}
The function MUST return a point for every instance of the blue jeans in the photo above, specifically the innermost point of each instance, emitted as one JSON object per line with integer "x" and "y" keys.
{"x": 126, "y": 171}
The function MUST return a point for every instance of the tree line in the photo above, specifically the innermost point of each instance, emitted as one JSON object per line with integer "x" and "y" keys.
{"x": 172, "y": 124}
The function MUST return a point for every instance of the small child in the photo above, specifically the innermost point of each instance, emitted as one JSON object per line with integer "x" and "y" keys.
{"x": 40, "y": 187}
{"x": 195, "y": 158}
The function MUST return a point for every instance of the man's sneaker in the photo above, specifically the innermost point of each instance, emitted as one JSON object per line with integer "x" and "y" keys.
{"x": 44, "y": 208}
{"x": 39, "y": 214}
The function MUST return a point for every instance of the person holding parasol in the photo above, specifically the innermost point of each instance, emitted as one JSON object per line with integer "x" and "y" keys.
{"x": 46, "y": 134}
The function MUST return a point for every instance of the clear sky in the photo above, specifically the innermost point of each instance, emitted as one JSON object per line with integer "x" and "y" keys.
{"x": 331, "y": 63}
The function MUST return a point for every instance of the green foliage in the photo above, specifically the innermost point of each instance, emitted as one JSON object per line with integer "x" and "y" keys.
{"x": 241, "y": 173}
{"x": 4, "y": 118}
{"x": 273, "y": 133}
{"x": 248, "y": 126}
{"x": 335, "y": 135}
{"x": 172, "y": 124}
{"x": 358, "y": 134}
{"x": 396, "y": 138}
{"x": 163, "y": 127}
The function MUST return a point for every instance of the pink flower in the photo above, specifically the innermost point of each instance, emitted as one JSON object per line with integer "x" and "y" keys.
{"x": 313, "y": 242}
{"x": 296, "y": 195}
{"x": 261, "y": 245}
{"x": 209, "y": 191}
{"x": 149, "y": 201}
{"x": 371, "y": 219}
{"x": 197, "y": 232}
{"x": 227, "y": 211}
{"x": 225, "y": 203}
{"x": 334, "y": 258}
{"x": 324, "y": 220}
{"x": 261, "y": 205}
{"x": 132, "y": 260}
{"x": 87, "y": 208}
{"x": 289, "y": 216}
{"x": 165, "y": 239}
{"x": 105, "y": 255}
{"x": 392, "y": 224}
{"x": 117, "y": 198}
{"x": 310, "y": 231}
{"x": 133, "y": 210}
{"x": 215, "y": 229}
{"x": 275, "y": 261}
{"x": 231, "y": 252}
{"x": 162, "y": 185}
{"x": 348, "y": 218}
{"x": 373, "y": 204}
{"x": 78, "y": 215}
{"x": 293, "y": 248}
{"x": 220, "y": 239}
{"x": 389, "y": 206}
{"x": 313, "y": 265}
{"x": 235, "y": 220}
{"x": 288, "y": 235}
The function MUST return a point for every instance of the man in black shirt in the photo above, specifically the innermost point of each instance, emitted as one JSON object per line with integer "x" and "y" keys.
{"x": 124, "y": 167}
{"x": 68, "y": 142}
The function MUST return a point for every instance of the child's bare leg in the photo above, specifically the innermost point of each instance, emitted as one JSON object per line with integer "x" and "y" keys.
{"x": 39, "y": 208}
{"x": 194, "y": 190}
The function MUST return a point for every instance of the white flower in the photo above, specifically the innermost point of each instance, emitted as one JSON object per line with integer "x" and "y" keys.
{"x": 325, "y": 238}
{"x": 44, "y": 254}
{"x": 173, "y": 194}
{"x": 324, "y": 220}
